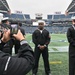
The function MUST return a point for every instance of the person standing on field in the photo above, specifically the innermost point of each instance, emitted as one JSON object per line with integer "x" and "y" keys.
{"x": 41, "y": 39}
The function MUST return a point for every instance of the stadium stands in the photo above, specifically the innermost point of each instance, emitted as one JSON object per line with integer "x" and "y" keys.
{"x": 62, "y": 16}
{"x": 49, "y": 17}
{"x": 59, "y": 16}
{"x": 4, "y": 6}
{"x": 56, "y": 16}
{"x": 71, "y": 7}
{"x": 51, "y": 29}
{"x": 68, "y": 16}
{"x": 5, "y": 14}
{"x": 13, "y": 16}
{"x": 54, "y": 23}
{"x": 17, "y": 16}
{"x": 27, "y": 16}
{"x": 20, "y": 16}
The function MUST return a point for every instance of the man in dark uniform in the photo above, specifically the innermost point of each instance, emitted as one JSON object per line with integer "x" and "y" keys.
{"x": 71, "y": 40}
{"x": 41, "y": 40}
{"x": 22, "y": 63}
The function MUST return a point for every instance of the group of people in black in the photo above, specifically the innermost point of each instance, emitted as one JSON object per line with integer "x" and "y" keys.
{"x": 12, "y": 42}
{"x": 25, "y": 59}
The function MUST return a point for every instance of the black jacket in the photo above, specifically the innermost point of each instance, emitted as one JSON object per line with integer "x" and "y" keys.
{"x": 39, "y": 38}
{"x": 8, "y": 46}
{"x": 71, "y": 40}
{"x": 71, "y": 35}
{"x": 21, "y": 64}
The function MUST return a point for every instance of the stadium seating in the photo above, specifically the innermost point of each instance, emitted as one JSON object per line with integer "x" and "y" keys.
{"x": 62, "y": 16}
{"x": 56, "y": 16}
{"x": 17, "y": 16}
{"x": 20, "y": 16}
{"x": 49, "y": 17}
{"x": 51, "y": 29}
{"x": 27, "y": 16}
{"x": 5, "y": 14}
{"x": 13, "y": 16}
{"x": 59, "y": 16}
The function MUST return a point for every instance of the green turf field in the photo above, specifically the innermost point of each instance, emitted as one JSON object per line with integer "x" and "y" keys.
{"x": 58, "y": 60}
{"x": 60, "y": 67}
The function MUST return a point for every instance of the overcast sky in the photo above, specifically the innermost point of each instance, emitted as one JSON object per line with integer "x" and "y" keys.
{"x": 39, "y": 6}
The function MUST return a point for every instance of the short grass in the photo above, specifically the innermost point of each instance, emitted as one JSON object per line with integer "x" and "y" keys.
{"x": 58, "y": 64}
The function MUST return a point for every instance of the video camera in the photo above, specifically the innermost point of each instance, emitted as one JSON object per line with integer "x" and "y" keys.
{"x": 13, "y": 28}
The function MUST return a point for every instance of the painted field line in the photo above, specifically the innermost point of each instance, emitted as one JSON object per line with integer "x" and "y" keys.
{"x": 55, "y": 62}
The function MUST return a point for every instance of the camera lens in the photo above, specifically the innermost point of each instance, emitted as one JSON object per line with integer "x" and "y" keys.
{"x": 14, "y": 29}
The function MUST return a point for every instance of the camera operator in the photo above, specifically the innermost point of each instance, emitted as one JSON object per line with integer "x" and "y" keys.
{"x": 9, "y": 44}
{"x": 22, "y": 63}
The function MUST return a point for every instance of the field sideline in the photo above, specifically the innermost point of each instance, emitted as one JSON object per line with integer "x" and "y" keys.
{"x": 58, "y": 60}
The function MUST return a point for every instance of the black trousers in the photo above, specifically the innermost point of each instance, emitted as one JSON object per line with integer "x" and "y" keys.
{"x": 71, "y": 65}
{"x": 45, "y": 56}
{"x": 71, "y": 60}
